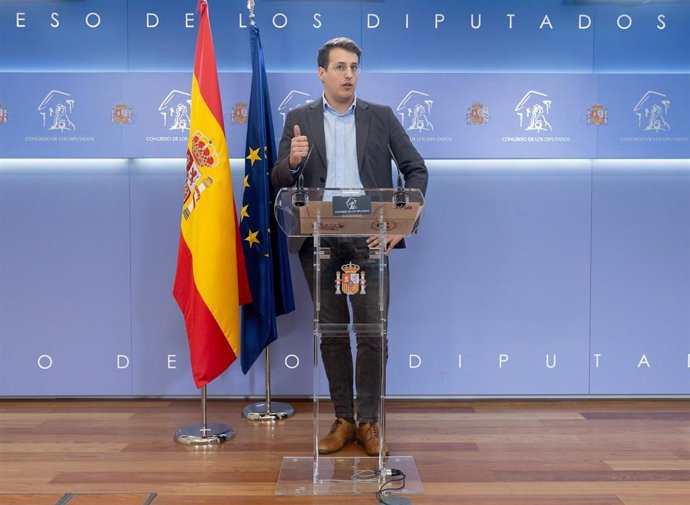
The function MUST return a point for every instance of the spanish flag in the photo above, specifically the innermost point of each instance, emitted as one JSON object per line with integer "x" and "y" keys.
{"x": 211, "y": 279}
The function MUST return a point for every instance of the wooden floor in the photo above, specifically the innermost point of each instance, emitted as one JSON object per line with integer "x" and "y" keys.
{"x": 467, "y": 452}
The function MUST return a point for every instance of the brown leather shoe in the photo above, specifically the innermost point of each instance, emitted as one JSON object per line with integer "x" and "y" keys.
{"x": 368, "y": 437}
{"x": 341, "y": 433}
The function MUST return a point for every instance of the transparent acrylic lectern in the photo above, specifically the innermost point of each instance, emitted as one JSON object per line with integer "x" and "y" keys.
{"x": 333, "y": 217}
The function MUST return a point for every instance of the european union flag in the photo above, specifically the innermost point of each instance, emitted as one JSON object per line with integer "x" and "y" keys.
{"x": 265, "y": 246}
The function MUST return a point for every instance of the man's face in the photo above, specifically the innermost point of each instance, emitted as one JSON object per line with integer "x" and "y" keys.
{"x": 339, "y": 87}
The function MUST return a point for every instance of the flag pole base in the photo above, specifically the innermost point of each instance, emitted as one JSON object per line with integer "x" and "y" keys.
{"x": 198, "y": 435}
{"x": 261, "y": 411}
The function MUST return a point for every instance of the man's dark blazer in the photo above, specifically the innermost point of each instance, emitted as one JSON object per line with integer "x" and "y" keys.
{"x": 376, "y": 128}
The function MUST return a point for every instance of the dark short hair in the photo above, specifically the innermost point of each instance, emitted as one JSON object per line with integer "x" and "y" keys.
{"x": 339, "y": 42}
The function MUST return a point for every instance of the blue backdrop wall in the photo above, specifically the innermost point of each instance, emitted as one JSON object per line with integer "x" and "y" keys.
{"x": 554, "y": 255}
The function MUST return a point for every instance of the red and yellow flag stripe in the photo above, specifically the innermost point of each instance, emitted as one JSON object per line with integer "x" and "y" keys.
{"x": 211, "y": 279}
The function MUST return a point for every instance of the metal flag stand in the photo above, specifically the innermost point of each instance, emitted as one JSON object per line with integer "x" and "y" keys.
{"x": 268, "y": 410}
{"x": 204, "y": 434}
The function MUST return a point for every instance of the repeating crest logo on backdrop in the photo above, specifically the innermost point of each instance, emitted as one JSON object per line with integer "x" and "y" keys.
{"x": 597, "y": 115}
{"x": 477, "y": 115}
{"x": 533, "y": 111}
{"x": 240, "y": 113}
{"x": 55, "y": 111}
{"x": 175, "y": 109}
{"x": 293, "y": 99}
{"x": 414, "y": 111}
{"x": 121, "y": 114}
{"x": 3, "y": 114}
{"x": 652, "y": 110}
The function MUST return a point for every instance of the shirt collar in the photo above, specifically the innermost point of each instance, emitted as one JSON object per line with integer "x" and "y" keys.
{"x": 327, "y": 107}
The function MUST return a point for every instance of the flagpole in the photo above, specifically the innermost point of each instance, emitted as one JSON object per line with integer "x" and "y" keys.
{"x": 204, "y": 433}
{"x": 250, "y": 8}
{"x": 268, "y": 410}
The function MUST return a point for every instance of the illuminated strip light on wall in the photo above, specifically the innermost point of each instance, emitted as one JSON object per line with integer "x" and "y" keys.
{"x": 448, "y": 165}
{"x": 62, "y": 164}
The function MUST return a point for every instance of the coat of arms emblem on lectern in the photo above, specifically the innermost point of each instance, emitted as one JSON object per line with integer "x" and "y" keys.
{"x": 350, "y": 281}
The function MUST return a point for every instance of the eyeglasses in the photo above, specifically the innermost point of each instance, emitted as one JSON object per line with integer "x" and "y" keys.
{"x": 341, "y": 68}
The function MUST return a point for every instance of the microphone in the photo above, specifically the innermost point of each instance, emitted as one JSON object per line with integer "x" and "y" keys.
{"x": 300, "y": 198}
{"x": 400, "y": 197}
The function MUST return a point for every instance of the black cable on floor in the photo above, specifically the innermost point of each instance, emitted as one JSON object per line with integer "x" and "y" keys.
{"x": 395, "y": 483}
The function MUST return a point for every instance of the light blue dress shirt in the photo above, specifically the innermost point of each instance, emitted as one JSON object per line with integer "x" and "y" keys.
{"x": 341, "y": 147}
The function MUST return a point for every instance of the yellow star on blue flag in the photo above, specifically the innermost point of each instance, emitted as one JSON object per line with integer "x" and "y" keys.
{"x": 251, "y": 238}
{"x": 253, "y": 155}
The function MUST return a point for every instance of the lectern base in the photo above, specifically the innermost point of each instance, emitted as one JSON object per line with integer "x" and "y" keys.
{"x": 195, "y": 434}
{"x": 344, "y": 476}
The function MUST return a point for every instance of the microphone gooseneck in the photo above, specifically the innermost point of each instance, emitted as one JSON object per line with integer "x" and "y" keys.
{"x": 300, "y": 198}
{"x": 400, "y": 196}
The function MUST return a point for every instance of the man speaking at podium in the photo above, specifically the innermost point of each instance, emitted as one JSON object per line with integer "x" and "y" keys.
{"x": 352, "y": 142}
